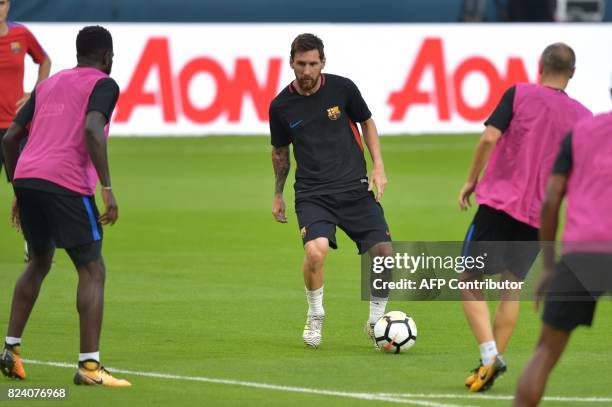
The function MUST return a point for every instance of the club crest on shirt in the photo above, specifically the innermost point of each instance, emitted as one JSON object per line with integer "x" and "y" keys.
{"x": 15, "y": 47}
{"x": 334, "y": 113}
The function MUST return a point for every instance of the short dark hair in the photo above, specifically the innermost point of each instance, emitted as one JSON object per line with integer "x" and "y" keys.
{"x": 307, "y": 42}
{"x": 93, "y": 41}
{"x": 558, "y": 58}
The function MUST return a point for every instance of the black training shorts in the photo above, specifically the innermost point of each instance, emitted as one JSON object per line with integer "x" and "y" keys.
{"x": 356, "y": 212}
{"x": 580, "y": 279}
{"x": 68, "y": 221}
{"x": 506, "y": 241}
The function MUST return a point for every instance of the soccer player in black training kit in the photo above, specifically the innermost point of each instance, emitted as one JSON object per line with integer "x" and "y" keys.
{"x": 317, "y": 113}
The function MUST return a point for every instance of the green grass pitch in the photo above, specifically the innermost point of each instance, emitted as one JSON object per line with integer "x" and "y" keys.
{"x": 203, "y": 283}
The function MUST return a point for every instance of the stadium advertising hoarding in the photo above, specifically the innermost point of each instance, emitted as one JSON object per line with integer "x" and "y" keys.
{"x": 201, "y": 79}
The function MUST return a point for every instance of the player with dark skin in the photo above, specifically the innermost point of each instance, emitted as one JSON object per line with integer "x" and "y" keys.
{"x": 64, "y": 228}
{"x": 90, "y": 292}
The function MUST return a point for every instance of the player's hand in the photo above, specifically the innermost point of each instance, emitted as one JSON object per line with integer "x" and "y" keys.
{"x": 15, "y": 219}
{"x": 23, "y": 100}
{"x": 378, "y": 179}
{"x": 464, "y": 195}
{"x": 278, "y": 209}
{"x": 542, "y": 288}
{"x": 111, "y": 214}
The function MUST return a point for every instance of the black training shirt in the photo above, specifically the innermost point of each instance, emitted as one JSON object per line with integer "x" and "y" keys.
{"x": 326, "y": 143}
{"x": 502, "y": 115}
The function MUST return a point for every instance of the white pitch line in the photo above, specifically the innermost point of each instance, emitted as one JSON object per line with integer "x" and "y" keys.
{"x": 292, "y": 389}
{"x": 496, "y": 397}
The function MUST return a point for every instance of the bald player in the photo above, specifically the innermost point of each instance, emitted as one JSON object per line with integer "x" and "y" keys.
{"x": 518, "y": 148}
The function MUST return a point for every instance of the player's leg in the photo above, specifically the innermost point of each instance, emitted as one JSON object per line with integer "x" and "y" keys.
{"x": 378, "y": 297}
{"x": 363, "y": 220}
{"x": 491, "y": 364}
{"x": 79, "y": 232}
{"x": 519, "y": 255}
{"x": 533, "y": 380}
{"x": 486, "y": 227}
{"x": 24, "y": 297}
{"x": 560, "y": 318}
{"x": 90, "y": 305}
{"x": 37, "y": 232}
{"x": 318, "y": 230}
{"x": 26, "y": 291}
{"x": 507, "y": 313}
{"x": 492, "y": 347}
{"x": 315, "y": 252}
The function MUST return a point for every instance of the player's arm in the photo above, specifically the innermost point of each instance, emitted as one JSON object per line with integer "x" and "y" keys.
{"x": 489, "y": 138}
{"x": 43, "y": 73}
{"x": 15, "y": 134}
{"x": 549, "y": 217}
{"x": 378, "y": 178}
{"x": 44, "y": 65}
{"x": 99, "y": 111}
{"x": 359, "y": 112}
{"x": 549, "y": 223}
{"x": 496, "y": 125}
{"x": 556, "y": 188}
{"x": 97, "y": 147}
{"x": 281, "y": 162}
{"x": 43, "y": 70}
{"x": 10, "y": 147}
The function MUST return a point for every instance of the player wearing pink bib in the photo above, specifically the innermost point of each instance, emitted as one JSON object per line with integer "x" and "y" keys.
{"x": 518, "y": 148}
{"x": 582, "y": 173}
{"x": 55, "y": 179}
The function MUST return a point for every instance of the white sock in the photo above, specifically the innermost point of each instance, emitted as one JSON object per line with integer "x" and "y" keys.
{"x": 315, "y": 302}
{"x": 89, "y": 356}
{"x": 11, "y": 340}
{"x": 377, "y": 308}
{"x": 488, "y": 351}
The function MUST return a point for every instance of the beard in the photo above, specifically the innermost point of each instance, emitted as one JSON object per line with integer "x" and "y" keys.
{"x": 108, "y": 69}
{"x": 308, "y": 83}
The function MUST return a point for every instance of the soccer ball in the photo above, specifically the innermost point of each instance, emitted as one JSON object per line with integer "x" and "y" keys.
{"x": 395, "y": 332}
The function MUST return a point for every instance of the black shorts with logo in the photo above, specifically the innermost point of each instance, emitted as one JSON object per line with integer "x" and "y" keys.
{"x": 356, "y": 212}
{"x": 510, "y": 245}
{"x": 52, "y": 216}
{"x": 579, "y": 281}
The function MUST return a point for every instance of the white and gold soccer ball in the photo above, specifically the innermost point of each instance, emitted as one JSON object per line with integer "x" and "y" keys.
{"x": 395, "y": 332}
